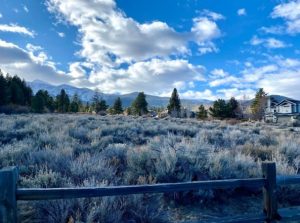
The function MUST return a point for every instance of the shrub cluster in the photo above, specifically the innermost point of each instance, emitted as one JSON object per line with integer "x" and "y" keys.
{"x": 55, "y": 150}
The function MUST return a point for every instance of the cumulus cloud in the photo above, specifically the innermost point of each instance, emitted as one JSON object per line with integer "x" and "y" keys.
{"x": 218, "y": 73}
{"x": 270, "y": 43}
{"x": 77, "y": 71}
{"x": 277, "y": 75}
{"x": 280, "y": 76}
{"x": 253, "y": 74}
{"x": 29, "y": 64}
{"x": 224, "y": 81}
{"x": 241, "y": 12}
{"x": 154, "y": 76}
{"x": 13, "y": 28}
{"x": 290, "y": 12}
{"x": 204, "y": 31}
{"x": 206, "y": 94}
{"x": 110, "y": 37}
{"x": 121, "y": 55}
{"x": 237, "y": 93}
{"x": 219, "y": 77}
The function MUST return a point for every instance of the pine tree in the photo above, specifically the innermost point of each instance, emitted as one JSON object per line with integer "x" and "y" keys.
{"x": 117, "y": 107}
{"x": 38, "y": 102}
{"x": 102, "y": 105}
{"x": 139, "y": 105}
{"x": 232, "y": 106}
{"x": 62, "y": 101}
{"x": 174, "y": 104}
{"x": 219, "y": 109}
{"x": 49, "y": 102}
{"x": 202, "y": 112}
{"x": 96, "y": 102}
{"x": 18, "y": 93}
{"x": 3, "y": 90}
{"x": 15, "y": 91}
{"x": 258, "y": 105}
{"x": 27, "y": 93}
{"x": 75, "y": 103}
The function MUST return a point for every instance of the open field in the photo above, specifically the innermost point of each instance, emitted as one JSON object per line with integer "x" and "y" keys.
{"x": 88, "y": 150}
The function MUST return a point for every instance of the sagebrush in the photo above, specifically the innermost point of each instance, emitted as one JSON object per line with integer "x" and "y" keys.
{"x": 53, "y": 150}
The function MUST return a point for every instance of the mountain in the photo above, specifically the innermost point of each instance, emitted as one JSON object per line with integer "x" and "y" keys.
{"x": 86, "y": 95}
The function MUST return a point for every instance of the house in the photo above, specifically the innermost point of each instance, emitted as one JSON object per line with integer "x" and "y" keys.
{"x": 282, "y": 109}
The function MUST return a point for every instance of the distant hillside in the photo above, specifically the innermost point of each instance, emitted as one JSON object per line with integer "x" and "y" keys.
{"x": 86, "y": 95}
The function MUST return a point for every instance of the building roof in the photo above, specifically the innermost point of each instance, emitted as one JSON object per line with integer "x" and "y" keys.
{"x": 278, "y": 99}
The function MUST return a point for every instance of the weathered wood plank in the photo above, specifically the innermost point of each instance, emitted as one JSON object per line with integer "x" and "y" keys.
{"x": 62, "y": 193}
{"x": 8, "y": 187}
{"x": 288, "y": 180}
{"x": 269, "y": 191}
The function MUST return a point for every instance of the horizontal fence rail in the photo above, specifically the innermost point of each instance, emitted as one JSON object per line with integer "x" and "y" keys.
{"x": 287, "y": 180}
{"x": 63, "y": 193}
{"x": 10, "y": 194}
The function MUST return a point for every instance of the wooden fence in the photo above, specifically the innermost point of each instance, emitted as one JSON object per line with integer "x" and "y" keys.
{"x": 10, "y": 193}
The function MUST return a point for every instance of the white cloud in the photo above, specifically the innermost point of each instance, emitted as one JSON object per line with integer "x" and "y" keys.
{"x": 218, "y": 73}
{"x": 280, "y": 76}
{"x": 220, "y": 77}
{"x": 273, "y": 29}
{"x": 29, "y": 64}
{"x": 61, "y": 34}
{"x": 105, "y": 25}
{"x": 155, "y": 76}
{"x": 32, "y": 48}
{"x": 1, "y": 16}
{"x": 275, "y": 43}
{"x": 248, "y": 64}
{"x": 110, "y": 37}
{"x": 206, "y": 94}
{"x": 13, "y": 28}
{"x": 290, "y": 12}
{"x": 253, "y": 74}
{"x": 111, "y": 40}
{"x": 288, "y": 84}
{"x": 270, "y": 43}
{"x": 241, "y": 12}
{"x": 25, "y": 9}
{"x": 212, "y": 15}
{"x": 236, "y": 93}
{"x": 224, "y": 81}
{"x": 77, "y": 71}
{"x": 204, "y": 31}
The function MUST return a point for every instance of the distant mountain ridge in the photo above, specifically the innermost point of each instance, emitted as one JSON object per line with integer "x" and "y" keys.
{"x": 86, "y": 95}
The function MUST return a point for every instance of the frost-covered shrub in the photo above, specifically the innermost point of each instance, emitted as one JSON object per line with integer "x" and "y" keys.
{"x": 45, "y": 178}
{"x": 258, "y": 152}
{"x": 86, "y": 166}
{"x": 54, "y": 150}
{"x": 227, "y": 164}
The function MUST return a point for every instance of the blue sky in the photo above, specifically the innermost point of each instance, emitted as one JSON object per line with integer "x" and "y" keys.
{"x": 206, "y": 48}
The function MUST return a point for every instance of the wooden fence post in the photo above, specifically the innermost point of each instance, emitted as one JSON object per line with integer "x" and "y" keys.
{"x": 8, "y": 187}
{"x": 269, "y": 191}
